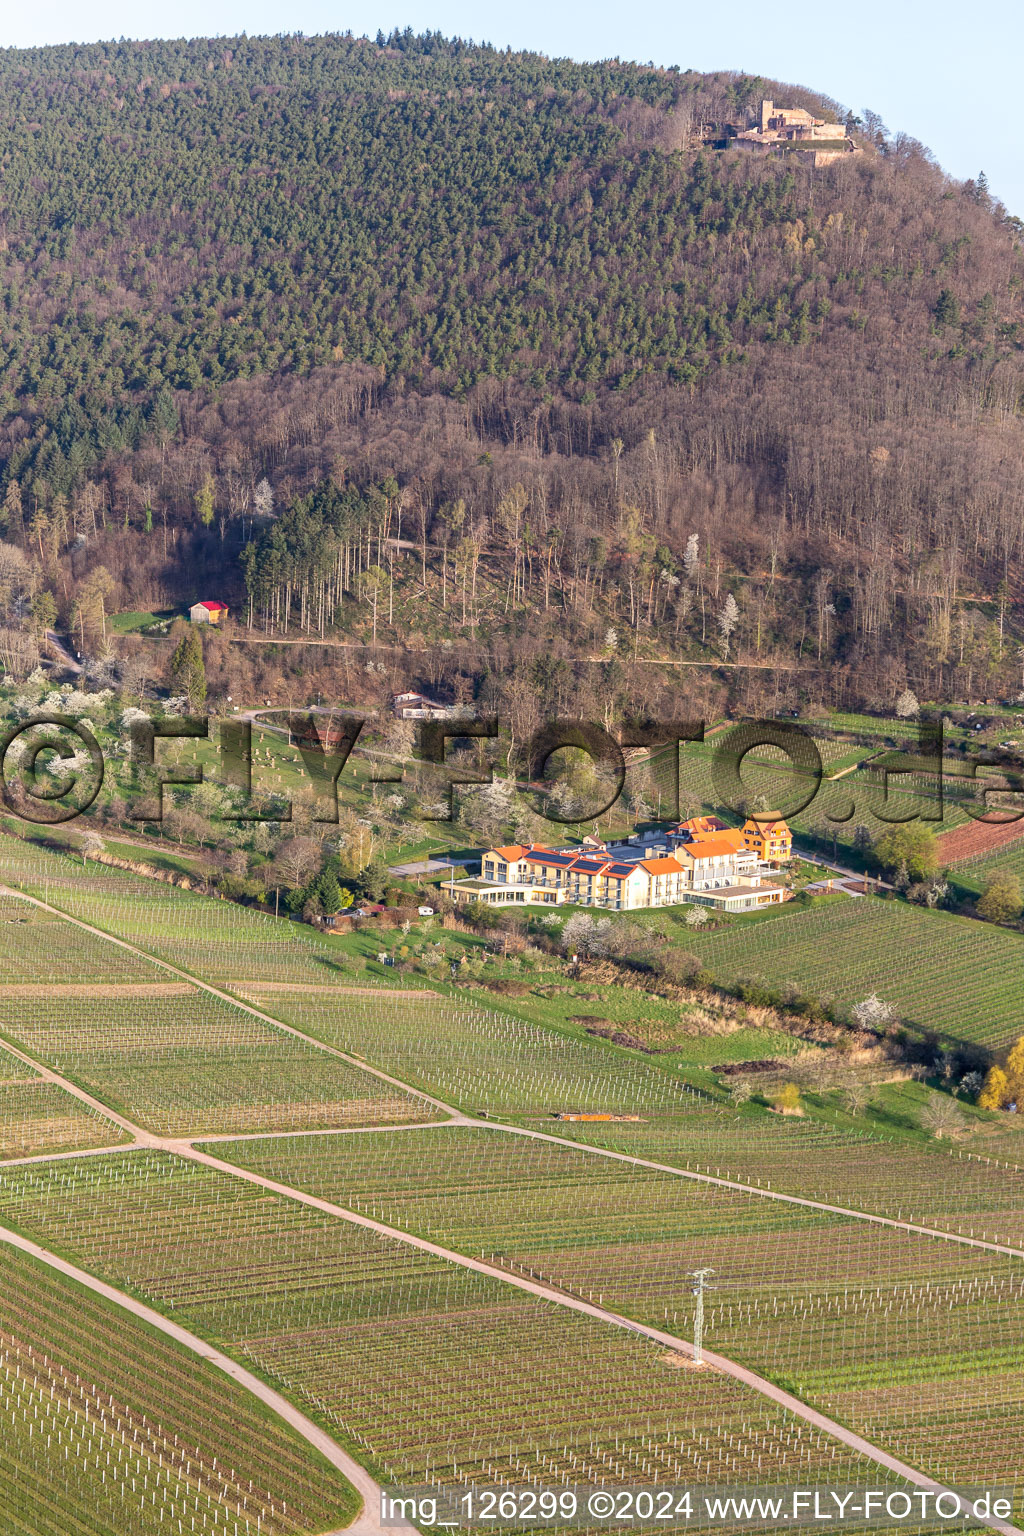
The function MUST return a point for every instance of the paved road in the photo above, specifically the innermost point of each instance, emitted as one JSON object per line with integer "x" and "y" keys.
{"x": 186, "y": 1148}
{"x": 819, "y": 887}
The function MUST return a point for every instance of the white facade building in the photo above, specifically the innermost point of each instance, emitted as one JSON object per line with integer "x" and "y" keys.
{"x": 707, "y": 865}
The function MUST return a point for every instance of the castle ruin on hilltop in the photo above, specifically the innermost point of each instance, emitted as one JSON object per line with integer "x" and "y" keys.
{"x": 784, "y": 129}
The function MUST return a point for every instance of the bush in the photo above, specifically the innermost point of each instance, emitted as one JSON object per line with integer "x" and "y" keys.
{"x": 909, "y": 847}
{"x": 678, "y": 966}
{"x": 238, "y": 888}
{"x": 1001, "y": 901}
{"x": 752, "y": 989}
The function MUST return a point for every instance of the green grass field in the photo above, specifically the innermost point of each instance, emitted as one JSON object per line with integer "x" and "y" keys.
{"x": 132, "y": 620}
{"x": 687, "y": 1034}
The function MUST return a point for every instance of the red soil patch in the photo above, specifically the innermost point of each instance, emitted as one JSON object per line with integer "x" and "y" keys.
{"x": 977, "y": 837}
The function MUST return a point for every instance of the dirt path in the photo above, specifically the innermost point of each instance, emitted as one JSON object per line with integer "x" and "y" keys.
{"x": 63, "y": 654}
{"x": 561, "y": 1298}
{"x": 366, "y": 1523}
{"x": 185, "y": 1148}
{"x": 255, "y": 638}
{"x": 456, "y": 1116}
{"x": 228, "y": 997}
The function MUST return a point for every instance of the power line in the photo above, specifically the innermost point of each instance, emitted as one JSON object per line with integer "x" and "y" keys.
{"x": 700, "y": 1285}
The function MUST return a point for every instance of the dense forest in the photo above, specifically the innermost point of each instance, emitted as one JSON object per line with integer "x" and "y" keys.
{"x": 481, "y": 362}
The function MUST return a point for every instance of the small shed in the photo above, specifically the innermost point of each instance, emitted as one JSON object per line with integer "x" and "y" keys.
{"x": 209, "y": 612}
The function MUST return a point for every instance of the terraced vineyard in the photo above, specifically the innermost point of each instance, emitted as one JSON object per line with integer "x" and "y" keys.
{"x": 37, "y": 1116}
{"x": 477, "y": 1060}
{"x": 40, "y": 1117}
{"x": 970, "y": 1193}
{"x": 911, "y": 1340}
{"x": 211, "y": 939}
{"x": 952, "y": 1191}
{"x": 109, "y": 1428}
{"x": 191, "y": 1063}
{"x": 766, "y": 771}
{"x": 973, "y": 873}
{"x": 435, "y": 1373}
{"x": 944, "y": 973}
{"x": 466, "y": 1056}
{"x": 14, "y": 1070}
{"x": 41, "y": 950}
{"x": 859, "y": 795}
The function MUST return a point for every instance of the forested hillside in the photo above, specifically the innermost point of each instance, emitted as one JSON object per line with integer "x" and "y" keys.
{"x": 427, "y": 345}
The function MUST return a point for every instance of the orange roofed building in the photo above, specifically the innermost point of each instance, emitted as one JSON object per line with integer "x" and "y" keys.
{"x": 703, "y": 862}
{"x": 770, "y": 839}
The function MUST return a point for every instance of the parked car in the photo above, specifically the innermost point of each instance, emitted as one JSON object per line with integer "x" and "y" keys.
{"x": 425, "y": 911}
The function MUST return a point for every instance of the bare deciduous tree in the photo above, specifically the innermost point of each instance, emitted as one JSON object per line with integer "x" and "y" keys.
{"x": 296, "y": 860}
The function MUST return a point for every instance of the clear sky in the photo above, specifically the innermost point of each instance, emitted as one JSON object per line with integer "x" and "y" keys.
{"x": 945, "y": 71}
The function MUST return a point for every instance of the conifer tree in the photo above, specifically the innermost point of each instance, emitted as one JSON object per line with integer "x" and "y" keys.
{"x": 204, "y": 502}
{"x": 187, "y": 669}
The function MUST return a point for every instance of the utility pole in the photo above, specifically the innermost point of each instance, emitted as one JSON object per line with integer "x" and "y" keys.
{"x": 700, "y": 1283}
